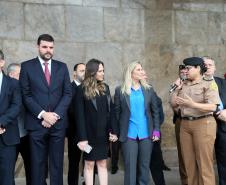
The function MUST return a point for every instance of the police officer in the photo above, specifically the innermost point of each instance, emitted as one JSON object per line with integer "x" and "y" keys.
{"x": 197, "y": 99}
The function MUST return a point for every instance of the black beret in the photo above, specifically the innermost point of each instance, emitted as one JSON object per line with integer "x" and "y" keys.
{"x": 193, "y": 61}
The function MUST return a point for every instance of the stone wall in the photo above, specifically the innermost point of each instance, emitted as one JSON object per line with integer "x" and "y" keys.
{"x": 161, "y": 32}
{"x": 175, "y": 30}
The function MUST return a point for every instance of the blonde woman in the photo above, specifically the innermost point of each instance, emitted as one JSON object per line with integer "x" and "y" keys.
{"x": 137, "y": 114}
{"x": 93, "y": 107}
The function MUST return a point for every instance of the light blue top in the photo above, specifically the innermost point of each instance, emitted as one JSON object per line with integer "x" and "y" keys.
{"x": 138, "y": 125}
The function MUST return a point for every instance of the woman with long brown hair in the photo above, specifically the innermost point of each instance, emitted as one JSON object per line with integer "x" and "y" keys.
{"x": 93, "y": 107}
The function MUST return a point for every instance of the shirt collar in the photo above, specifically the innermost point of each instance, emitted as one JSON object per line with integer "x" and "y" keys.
{"x": 194, "y": 83}
{"x": 1, "y": 75}
{"x": 42, "y": 61}
{"x": 77, "y": 82}
{"x": 208, "y": 78}
{"x": 136, "y": 89}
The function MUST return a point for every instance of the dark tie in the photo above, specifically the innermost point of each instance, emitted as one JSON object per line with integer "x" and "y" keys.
{"x": 47, "y": 73}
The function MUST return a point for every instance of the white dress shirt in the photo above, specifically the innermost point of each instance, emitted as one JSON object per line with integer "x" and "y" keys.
{"x": 42, "y": 62}
{"x": 43, "y": 65}
{"x": 77, "y": 82}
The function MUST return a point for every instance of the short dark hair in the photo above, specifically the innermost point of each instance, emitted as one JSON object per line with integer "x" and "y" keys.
{"x": 76, "y": 65}
{"x": 45, "y": 37}
{"x": 181, "y": 66}
{"x": 1, "y": 55}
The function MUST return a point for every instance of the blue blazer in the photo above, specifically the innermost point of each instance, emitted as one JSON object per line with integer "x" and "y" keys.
{"x": 221, "y": 83}
{"x": 10, "y": 99}
{"x": 122, "y": 111}
{"x": 38, "y": 96}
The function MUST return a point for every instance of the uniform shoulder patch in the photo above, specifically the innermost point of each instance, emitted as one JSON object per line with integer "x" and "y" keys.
{"x": 213, "y": 86}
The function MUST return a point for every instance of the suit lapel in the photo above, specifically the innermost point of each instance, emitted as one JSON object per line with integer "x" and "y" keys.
{"x": 145, "y": 93}
{"x": 221, "y": 90}
{"x": 109, "y": 102}
{"x": 3, "y": 88}
{"x": 127, "y": 97}
{"x": 94, "y": 101}
{"x": 39, "y": 69}
{"x": 74, "y": 87}
{"x": 54, "y": 67}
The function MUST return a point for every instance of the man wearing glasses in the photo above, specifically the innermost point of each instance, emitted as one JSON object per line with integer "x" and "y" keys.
{"x": 177, "y": 121}
{"x": 220, "y": 147}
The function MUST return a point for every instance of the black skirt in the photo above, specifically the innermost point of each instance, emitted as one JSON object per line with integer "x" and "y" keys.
{"x": 98, "y": 152}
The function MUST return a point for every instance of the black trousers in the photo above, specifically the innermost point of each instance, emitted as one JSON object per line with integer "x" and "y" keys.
{"x": 47, "y": 145}
{"x": 24, "y": 149}
{"x": 74, "y": 155}
{"x": 220, "y": 149}
{"x": 115, "y": 146}
{"x": 156, "y": 164}
{"x": 7, "y": 163}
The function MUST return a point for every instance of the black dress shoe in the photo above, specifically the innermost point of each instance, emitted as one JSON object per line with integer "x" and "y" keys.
{"x": 166, "y": 168}
{"x": 114, "y": 170}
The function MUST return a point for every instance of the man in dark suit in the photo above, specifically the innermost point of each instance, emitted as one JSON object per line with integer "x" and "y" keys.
{"x": 10, "y": 99}
{"x": 46, "y": 90}
{"x": 74, "y": 154}
{"x": 13, "y": 71}
{"x": 220, "y": 147}
{"x": 157, "y": 163}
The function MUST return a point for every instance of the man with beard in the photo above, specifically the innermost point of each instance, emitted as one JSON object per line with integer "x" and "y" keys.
{"x": 46, "y": 91}
{"x": 74, "y": 154}
{"x": 177, "y": 121}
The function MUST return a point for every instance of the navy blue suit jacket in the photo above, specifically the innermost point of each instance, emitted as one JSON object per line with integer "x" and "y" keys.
{"x": 71, "y": 131}
{"x": 38, "y": 96}
{"x": 10, "y": 99}
{"x": 221, "y": 83}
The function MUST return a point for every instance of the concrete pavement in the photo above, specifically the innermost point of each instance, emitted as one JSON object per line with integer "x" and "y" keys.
{"x": 171, "y": 177}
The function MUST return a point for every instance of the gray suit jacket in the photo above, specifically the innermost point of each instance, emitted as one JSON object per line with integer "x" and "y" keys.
{"x": 122, "y": 111}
